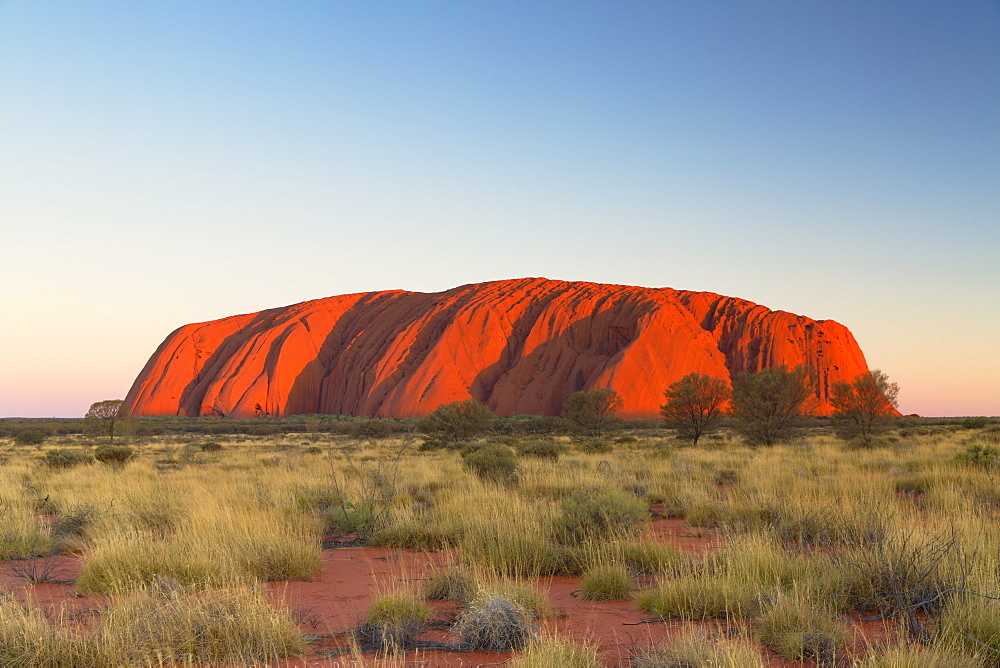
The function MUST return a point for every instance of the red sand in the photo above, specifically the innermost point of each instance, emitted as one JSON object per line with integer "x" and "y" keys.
{"x": 333, "y": 602}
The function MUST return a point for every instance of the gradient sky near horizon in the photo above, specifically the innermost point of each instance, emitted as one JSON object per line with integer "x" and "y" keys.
{"x": 172, "y": 162}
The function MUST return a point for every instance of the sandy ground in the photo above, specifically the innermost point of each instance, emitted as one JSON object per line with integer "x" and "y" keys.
{"x": 329, "y": 605}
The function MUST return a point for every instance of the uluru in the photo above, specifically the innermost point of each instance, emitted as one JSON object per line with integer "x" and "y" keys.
{"x": 519, "y": 346}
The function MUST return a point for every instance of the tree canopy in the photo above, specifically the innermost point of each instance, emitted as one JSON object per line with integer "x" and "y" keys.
{"x": 864, "y": 407}
{"x": 593, "y": 412}
{"x": 695, "y": 404}
{"x": 103, "y": 416}
{"x": 455, "y": 422}
{"x": 767, "y": 405}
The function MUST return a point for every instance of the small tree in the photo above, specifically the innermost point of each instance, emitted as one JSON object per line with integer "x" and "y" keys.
{"x": 695, "y": 404}
{"x": 767, "y": 405}
{"x": 593, "y": 412}
{"x": 864, "y": 407}
{"x": 455, "y": 422}
{"x": 104, "y": 416}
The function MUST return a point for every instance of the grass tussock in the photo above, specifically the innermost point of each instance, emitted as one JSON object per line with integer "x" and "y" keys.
{"x": 553, "y": 651}
{"x": 698, "y": 649}
{"x": 800, "y": 628}
{"x": 160, "y": 625}
{"x": 494, "y": 623}
{"x": 810, "y": 531}
{"x": 394, "y": 621}
{"x": 606, "y": 583}
{"x": 29, "y": 638}
{"x": 163, "y": 624}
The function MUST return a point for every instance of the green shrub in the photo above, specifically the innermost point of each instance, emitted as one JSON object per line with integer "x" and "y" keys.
{"x": 595, "y": 513}
{"x": 210, "y": 446}
{"x": 492, "y": 462}
{"x": 64, "y": 458}
{"x": 979, "y": 455}
{"x": 456, "y": 422}
{"x": 30, "y": 437}
{"x": 350, "y": 518}
{"x": 540, "y": 449}
{"x": 595, "y": 446}
{"x": 368, "y": 430}
{"x": 314, "y": 450}
{"x": 606, "y": 583}
{"x": 114, "y": 455}
{"x": 975, "y": 422}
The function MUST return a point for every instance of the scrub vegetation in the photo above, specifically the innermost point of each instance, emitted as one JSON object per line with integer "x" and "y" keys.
{"x": 813, "y": 540}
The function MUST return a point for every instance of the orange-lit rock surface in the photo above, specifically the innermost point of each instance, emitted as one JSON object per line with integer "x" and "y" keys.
{"x": 519, "y": 346}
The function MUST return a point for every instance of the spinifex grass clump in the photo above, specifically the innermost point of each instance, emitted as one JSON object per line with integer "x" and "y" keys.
{"x": 696, "y": 649}
{"x": 508, "y": 536}
{"x": 20, "y": 535}
{"x": 801, "y": 628}
{"x": 29, "y": 638}
{"x": 211, "y": 547}
{"x": 920, "y": 656}
{"x": 972, "y": 623}
{"x": 451, "y": 584}
{"x": 493, "y": 623}
{"x": 164, "y": 625}
{"x": 733, "y": 583}
{"x": 553, "y": 651}
{"x": 394, "y": 621}
{"x": 596, "y": 514}
{"x": 611, "y": 582}
{"x": 647, "y": 557}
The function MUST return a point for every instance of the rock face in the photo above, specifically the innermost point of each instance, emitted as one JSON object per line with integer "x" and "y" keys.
{"x": 518, "y": 346}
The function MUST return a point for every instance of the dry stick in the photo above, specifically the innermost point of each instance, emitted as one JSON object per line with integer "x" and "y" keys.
{"x": 947, "y": 591}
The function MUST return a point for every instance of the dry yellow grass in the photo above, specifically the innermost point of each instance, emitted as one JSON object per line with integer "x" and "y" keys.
{"x": 812, "y": 520}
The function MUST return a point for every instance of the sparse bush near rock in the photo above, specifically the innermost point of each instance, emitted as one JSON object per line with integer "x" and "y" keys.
{"x": 114, "y": 455}
{"x": 595, "y": 446}
{"x": 539, "y": 449}
{"x": 977, "y": 422}
{"x": 492, "y": 462}
{"x": 64, "y": 458}
{"x": 594, "y": 412}
{"x": 457, "y": 422}
{"x": 368, "y": 430}
{"x": 979, "y": 455}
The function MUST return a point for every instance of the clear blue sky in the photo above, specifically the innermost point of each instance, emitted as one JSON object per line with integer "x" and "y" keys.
{"x": 170, "y": 162}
